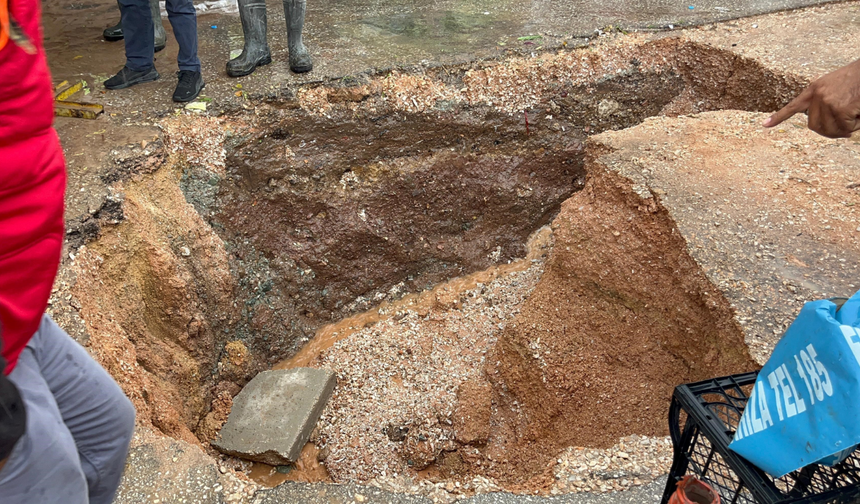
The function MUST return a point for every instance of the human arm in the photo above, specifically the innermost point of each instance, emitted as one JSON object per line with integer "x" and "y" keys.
{"x": 832, "y": 104}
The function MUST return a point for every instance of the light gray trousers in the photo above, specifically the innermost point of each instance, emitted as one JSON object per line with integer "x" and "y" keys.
{"x": 79, "y": 425}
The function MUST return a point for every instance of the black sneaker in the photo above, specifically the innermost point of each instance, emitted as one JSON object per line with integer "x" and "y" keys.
{"x": 127, "y": 77}
{"x": 190, "y": 85}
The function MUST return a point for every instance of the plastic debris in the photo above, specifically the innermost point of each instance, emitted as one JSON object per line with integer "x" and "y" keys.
{"x": 199, "y": 106}
{"x": 694, "y": 491}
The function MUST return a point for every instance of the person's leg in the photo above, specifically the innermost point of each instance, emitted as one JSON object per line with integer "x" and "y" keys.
{"x": 183, "y": 18}
{"x": 159, "y": 35}
{"x": 138, "y": 31}
{"x": 114, "y": 33}
{"x": 44, "y": 466}
{"x": 94, "y": 409}
{"x": 139, "y": 34}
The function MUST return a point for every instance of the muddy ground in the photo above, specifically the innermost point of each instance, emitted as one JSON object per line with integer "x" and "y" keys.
{"x": 203, "y": 248}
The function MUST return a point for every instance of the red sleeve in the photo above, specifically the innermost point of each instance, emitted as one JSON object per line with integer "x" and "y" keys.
{"x": 26, "y": 101}
{"x": 32, "y": 184}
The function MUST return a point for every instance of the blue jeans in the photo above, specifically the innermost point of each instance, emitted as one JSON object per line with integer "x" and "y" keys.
{"x": 138, "y": 32}
{"x": 79, "y": 425}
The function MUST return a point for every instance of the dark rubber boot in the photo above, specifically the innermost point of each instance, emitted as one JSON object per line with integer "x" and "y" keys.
{"x": 114, "y": 33}
{"x": 300, "y": 58}
{"x": 160, "y": 34}
{"x": 256, "y": 50}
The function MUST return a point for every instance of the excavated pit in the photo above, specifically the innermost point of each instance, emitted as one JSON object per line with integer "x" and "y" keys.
{"x": 261, "y": 228}
{"x": 325, "y": 218}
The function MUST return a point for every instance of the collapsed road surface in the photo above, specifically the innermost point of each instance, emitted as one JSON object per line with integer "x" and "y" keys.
{"x": 205, "y": 248}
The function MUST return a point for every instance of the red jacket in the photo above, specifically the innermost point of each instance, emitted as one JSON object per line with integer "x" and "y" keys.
{"x": 32, "y": 184}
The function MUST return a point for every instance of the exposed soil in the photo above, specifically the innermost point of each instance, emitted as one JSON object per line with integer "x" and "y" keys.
{"x": 156, "y": 294}
{"x": 241, "y": 236}
{"x": 315, "y": 224}
{"x": 621, "y": 316}
{"x": 334, "y": 215}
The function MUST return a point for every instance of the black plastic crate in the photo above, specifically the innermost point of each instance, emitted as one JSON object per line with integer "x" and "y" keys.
{"x": 709, "y": 412}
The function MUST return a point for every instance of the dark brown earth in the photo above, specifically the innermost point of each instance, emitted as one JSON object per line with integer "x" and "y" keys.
{"x": 324, "y": 218}
{"x": 365, "y": 212}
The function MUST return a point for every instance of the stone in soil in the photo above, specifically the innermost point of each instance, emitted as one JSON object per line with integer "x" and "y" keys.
{"x": 273, "y": 416}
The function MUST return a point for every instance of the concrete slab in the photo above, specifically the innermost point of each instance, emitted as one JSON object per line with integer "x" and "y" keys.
{"x": 273, "y": 416}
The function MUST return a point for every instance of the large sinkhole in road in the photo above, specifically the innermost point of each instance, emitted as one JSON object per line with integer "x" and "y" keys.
{"x": 516, "y": 351}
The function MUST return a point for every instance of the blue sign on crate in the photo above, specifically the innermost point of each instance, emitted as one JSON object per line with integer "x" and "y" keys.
{"x": 805, "y": 405}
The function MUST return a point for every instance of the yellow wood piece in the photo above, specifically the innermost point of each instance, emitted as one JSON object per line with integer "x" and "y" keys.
{"x": 65, "y": 108}
{"x": 69, "y": 91}
{"x": 80, "y": 110}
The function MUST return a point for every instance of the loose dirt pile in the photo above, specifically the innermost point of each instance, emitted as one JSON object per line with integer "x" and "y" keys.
{"x": 413, "y": 410}
{"x": 621, "y": 316}
{"x": 411, "y": 392}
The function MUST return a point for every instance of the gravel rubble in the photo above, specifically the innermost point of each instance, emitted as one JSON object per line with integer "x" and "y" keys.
{"x": 634, "y": 461}
{"x": 392, "y": 412}
{"x": 404, "y": 374}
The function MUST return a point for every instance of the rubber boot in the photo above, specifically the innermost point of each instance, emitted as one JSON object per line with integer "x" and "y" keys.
{"x": 114, "y": 33}
{"x": 256, "y": 51}
{"x": 160, "y": 34}
{"x": 300, "y": 58}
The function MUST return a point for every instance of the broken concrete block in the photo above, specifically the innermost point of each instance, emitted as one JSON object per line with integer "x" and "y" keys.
{"x": 273, "y": 416}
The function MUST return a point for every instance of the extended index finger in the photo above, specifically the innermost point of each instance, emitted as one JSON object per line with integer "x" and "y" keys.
{"x": 796, "y": 105}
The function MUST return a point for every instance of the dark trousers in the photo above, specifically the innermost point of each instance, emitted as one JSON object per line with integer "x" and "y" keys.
{"x": 139, "y": 37}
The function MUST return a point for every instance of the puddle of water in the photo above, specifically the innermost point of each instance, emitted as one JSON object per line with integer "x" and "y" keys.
{"x": 207, "y": 6}
{"x": 420, "y": 29}
{"x": 330, "y": 334}
{"x": 306, "y": 470}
